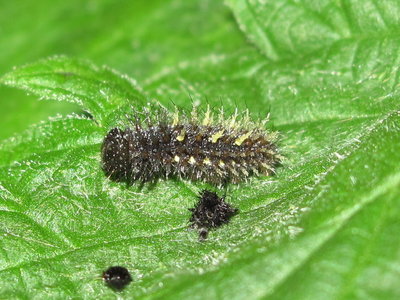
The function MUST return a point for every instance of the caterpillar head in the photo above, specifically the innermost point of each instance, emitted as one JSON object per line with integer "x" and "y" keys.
{"x": 115, "y": 155}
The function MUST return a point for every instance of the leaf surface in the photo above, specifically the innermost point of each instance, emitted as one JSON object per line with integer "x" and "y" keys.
{"x": 324, "y": 227}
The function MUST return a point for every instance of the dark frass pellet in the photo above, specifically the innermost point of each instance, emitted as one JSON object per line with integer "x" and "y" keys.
{"x": 196, "y": 147}
{"x": 210, "y": 212}
{"x": 117, "y": 277}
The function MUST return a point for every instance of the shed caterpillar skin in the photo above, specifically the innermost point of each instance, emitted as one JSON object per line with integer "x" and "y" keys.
{"x": 195, "y": 147}
{"x": 210, "y": 212}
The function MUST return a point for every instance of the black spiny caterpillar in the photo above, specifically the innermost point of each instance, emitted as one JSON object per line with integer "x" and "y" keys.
{"x": 196, "y": 147}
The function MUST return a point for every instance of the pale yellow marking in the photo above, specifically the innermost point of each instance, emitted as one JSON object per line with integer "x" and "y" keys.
{"x": 192, "y": 161}
{"x": 194, "y": 114}
{"x": 181, "y": 136}
{"x": 216, "y": 136}
{"x": 175, "y": 120}
{"x": 246, "y": 118}
{"x": 208, "y": 117}
{"x": 244, "y": 171}
{"x": 233, "y": 169}
{"x": 242, "y": 138}
{"x": 221, "y": 115}
{"x": 233, "y": 119}
{"x": 207, "y": 161}
{"x": 280, "y": 157}
{"x": 220, "y": 172}
{"x": 221, "y": 164}
{"x": 269, "y": 151}
{"x": 177, "y": 158}
{"x": 267, "y": 166}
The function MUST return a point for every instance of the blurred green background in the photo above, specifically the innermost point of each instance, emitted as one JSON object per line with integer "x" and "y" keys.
{"x": 138, "y": 38}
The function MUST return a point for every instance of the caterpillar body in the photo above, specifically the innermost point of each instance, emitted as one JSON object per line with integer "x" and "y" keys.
{"x": 195, "y": 147}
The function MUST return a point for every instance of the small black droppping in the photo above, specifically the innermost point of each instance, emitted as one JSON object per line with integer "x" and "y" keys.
{"x": 217, "y": 152}
{"x": 210, "y": 212}
{"x": 117, "y": 277}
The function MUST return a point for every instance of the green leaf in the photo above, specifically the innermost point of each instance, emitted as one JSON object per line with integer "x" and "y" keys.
{"x": 99, "y": 91}
{"x": 283, "y": 29}
{"x": 324, "y": 227}
{"x": 23, "y": 110}
{"x": 130, "y": 36}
